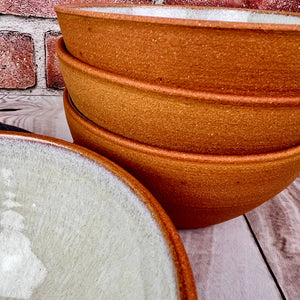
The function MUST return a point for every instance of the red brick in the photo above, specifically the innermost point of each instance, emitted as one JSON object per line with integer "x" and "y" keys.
{"x": 274, "y": 5}
{"x": 280, "y": 5}
{"x": 220, "y": 3}
{"x": 53, "y": 75}
{"x": 42, "y": 8}
{"x": 17, "y": 67}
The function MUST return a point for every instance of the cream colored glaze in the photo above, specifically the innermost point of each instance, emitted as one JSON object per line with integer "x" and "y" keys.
{"x": 227, "y": 15}
{"x": 93, "y": 235}
{"x": 20, "y": 269}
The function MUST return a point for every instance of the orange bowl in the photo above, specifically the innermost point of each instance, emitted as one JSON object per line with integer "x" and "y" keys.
{"x": 217, "y": 50}
{"x": 92, "y": 230}
{"x": 196, "y": 190}
{"x": 179, "y": 119}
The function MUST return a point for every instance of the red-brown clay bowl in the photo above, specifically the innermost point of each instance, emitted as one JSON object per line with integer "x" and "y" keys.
{"x": 179, "y": 119}
{"x": 196, "y": 190}
{"x": 74, "y": 225}
{"x": 217, "y": 50}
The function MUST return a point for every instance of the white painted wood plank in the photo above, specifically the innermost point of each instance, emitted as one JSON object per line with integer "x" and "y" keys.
{"x": 39, "y": 114}
{"x": 227, "y": 263}
{"x": 276, "y": 225}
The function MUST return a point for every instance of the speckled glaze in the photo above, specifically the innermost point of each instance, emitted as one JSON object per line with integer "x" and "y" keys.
{"x": 169, "y": 235}
{"x": 196, "y": 190}
{"x": 253, "y": 59}
{"x": 179, "y": 119}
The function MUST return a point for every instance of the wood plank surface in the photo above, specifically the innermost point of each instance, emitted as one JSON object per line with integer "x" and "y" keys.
{"x": 227, "y": 263}
{"x": 229, "y": 260}
{"x": 39, "y": 114}
{"x": 276, "y": 225}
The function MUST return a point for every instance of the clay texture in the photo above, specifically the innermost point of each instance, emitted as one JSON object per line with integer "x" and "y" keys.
{"x": 178, "y": 119}
{"x": 196, "y": 190}
{"x": 242, "y": 57}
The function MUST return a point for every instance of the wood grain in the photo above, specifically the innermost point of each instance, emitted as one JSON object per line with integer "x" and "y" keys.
{"x": 226, "y": 260}
{"x": 227, "y": 264}
{"x": 39, "y": 114}
{"x": 276, "y": 225}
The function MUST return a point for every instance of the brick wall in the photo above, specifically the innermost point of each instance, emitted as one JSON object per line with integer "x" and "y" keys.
{"x": 28, "y": 33}
{"x": 29, "y": 30}
{"x": 25, "y": 42}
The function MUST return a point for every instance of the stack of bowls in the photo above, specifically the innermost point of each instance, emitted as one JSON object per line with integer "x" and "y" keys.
{"x": 201, "y": 105}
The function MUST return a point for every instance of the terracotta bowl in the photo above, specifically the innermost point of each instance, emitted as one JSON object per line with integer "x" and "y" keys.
{"x": 76, "y": 226}
{"x": 196, "y": 190}
{"x": 219, "y": 50}
{"x": 179, "y": 119}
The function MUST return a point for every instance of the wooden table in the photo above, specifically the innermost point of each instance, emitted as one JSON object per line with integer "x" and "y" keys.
{"x": 255, "y": 256}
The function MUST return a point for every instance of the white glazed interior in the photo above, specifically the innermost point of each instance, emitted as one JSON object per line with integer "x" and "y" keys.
{"x": 70, "y": 229}
{"x": 229, "y": 15}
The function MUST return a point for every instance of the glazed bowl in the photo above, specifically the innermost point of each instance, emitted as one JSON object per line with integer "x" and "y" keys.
{"x": 76, "y": 226}
{"x": 196, "y": 190}
{"x": 179, "y": 119}
{"x": 216, "y": 50}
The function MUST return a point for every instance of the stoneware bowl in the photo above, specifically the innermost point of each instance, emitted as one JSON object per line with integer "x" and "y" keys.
{"x": 179, "y": 119}
{"x": 76, "y": 226}
{"x": 219, "y": 50}
{"x": 196, "y": 190}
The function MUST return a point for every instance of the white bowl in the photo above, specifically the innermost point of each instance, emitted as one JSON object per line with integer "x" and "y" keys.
{"x": 76, "y": 226}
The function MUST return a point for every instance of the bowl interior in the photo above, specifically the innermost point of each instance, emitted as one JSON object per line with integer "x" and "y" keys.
{"x": 72, "y": 229}
{"x": 215, "y": 14}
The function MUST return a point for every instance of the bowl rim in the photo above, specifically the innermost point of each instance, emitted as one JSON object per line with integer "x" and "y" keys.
{"x": 71, "y": 9}
{"x": 120, "y": 80}
{"x": 267, "y": 157}
{"x": 184, "y": 274}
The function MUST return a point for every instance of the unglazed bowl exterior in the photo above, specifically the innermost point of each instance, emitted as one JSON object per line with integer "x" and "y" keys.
{"x": 196, "y": 190}
{"x": 179, "y": 119}
{"x": 58, "y": 233}
{"x": 176, "y": 47}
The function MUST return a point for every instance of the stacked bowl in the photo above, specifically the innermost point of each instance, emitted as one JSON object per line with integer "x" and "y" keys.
{"x": 201, "y": 105}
